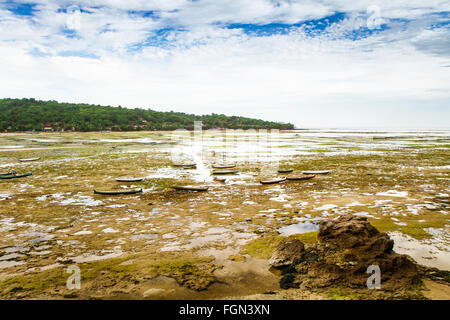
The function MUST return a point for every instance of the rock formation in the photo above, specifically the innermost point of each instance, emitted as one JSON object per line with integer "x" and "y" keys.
{"x": 346, "y": 247}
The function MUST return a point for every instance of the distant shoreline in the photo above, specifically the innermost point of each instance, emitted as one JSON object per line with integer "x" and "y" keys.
{"x": 352, "y": 130}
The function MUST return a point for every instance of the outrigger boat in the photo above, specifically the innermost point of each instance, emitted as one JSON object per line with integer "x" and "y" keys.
{"x": 317, "y": 172}
{"x": 16, "y": 176}
{"x": 285, "y": 170}
{"x": 272, "y": 181}
{"x": 223, "y": 166}
{"x": 221, "y": 179}
{"x": 118, "y": 192}
{"x": 8, "y": 173}
{"x": 186, "y": 166}
{"x": 225, "y": 171}
{"x": 28, "y": 160}
{"x": 189, "y": 188}
{"x": 300, "y": 178}
{"x": 129, "y": 179}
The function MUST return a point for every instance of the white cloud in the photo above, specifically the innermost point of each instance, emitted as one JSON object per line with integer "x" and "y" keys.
{"x": 389, "y": 78}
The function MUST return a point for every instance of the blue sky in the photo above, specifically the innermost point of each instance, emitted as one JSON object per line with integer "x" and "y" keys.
{"x": 314, "y": 63}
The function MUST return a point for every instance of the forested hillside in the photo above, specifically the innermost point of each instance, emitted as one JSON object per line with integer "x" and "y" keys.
{"x": 31, "y": 114}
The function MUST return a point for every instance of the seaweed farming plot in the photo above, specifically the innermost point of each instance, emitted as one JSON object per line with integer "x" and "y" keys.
{"x": 199, "y": 244}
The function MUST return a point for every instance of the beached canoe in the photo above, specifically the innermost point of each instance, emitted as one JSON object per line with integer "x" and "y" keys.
{"x": 16, "y": 176}
{"x": 272, "y": 181}
{"x": 8, "y": 174}
{"x": 118, "y": 192}
{"x": 317, "y": 172}
{"x": 223, "y": 166}
{"x": 225, "y": 171}
{"x": 28, "y": 160}
{"x": 190, "y": 188}
{"x": 129, "y": 179}
{"x": 300, "y": 178}
{"x": 220, "y": 179}
{"x": 285, "y": 170}
{"x": 188, "y": 165}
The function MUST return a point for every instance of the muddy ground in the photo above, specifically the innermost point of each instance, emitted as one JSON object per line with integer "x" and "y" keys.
{"x": 172, "y": 244}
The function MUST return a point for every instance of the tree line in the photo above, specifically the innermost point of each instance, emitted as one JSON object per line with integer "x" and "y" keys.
{"x": 38, "y": 115}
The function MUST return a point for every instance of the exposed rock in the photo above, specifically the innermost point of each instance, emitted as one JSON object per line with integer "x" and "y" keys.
{"x": 346, "y": 247}
{"x": 287, "y": 253}
{"x": 152, "y": 292}
{"x": 347, "y": 231}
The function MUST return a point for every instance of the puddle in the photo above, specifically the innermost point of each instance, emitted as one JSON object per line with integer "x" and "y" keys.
{"x": 149, "y": 236}
{"x": 218, "y": 230}
{"x": 302, "y": 227}
{"x": 197, "y": 225}
{"x": 326, "y": 207}
{"x": 393, "y": 193}
{"x": 364, "y": 214}
{"x": 173, "y": 246}
{"x": 89, "y": 258}
{"x": 82, "y": 232}
{"x": 427, "y": 254}
{"x": 10, "y": 256}
{"x": 81, "y": 201}
{"x": 17, "y": 249}
{"x": 9, "y": 264}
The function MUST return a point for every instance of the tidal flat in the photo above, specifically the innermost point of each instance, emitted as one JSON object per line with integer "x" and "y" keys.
{"x": 170, "y": 244}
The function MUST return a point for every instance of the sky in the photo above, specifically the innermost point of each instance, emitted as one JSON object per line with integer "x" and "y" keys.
{"x": 316, "y": 64}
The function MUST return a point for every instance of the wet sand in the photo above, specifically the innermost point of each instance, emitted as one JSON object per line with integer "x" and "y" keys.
{"x": 144, "y": 246}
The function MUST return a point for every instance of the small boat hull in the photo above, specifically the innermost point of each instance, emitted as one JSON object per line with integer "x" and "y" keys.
{"x": 317, "y": 172}
{"x": 8, "y": 174}
{"x": 29, "y": 160}
{"x": 129, "y": 179}
{"x": 16, "y": 176}
{"x": 225, "y": 171}
{"x": 272, "y": 181}
{"x": 223, "y": 166}
{"x": 187, "y": 188}
{"x": 300, "y": 178}
{"x": 286, "y": 170}
{"x": 118, "y": 192}
{"x": 185, "y": 166}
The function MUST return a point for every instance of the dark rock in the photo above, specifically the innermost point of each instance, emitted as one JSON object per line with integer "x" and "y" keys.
{"x": 287, "y": 281}
{"x": 346, "y": 231}
{"x": 286, "y": 253}
{"x": 347, "y": 246}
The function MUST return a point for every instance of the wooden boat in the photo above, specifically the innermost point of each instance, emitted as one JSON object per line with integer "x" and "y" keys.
{"x": 285, "y": 170}
{"x": 272, "y": 181}
{"x": 8, "y": 174}
{"x": 28, "y": 160}
{"x": 129, "y": 179}
{"x": 300, "y": 178}
{"x": 317, "y": 172}
{"x": 118, "y": 192}
{"x": 223, "y": 166}
{"x": 190, "y": 188}
{"x": 189, "y": 165}
{"x": 225, "y": 171}
{"x": 16, "y": 176}
{"x": 220, "y": 179}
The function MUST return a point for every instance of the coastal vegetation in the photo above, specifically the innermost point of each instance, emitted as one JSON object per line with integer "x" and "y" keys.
{"x": 37, "y": 115}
